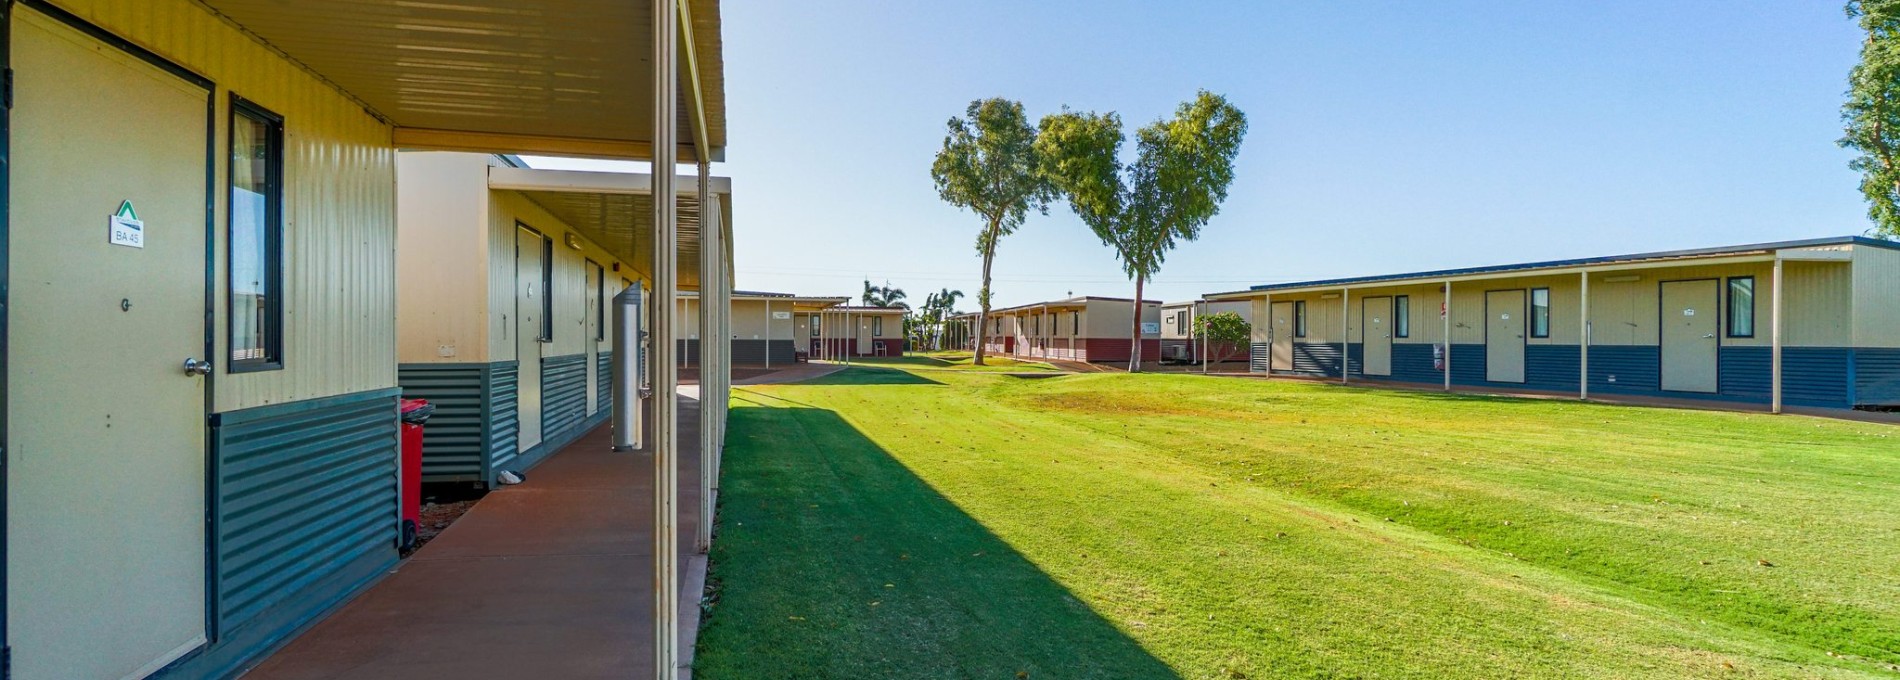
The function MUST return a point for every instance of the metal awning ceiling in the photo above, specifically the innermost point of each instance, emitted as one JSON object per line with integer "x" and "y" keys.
{"x": 550, "y": 77}
{"x": 615, "y": 211}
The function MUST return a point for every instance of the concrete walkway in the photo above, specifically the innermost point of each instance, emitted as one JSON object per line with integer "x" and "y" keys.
{"x": 544, "y": 580}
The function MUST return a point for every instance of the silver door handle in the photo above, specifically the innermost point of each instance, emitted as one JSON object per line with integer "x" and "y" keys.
{"x": 197, "y": 367}
{"x": 1710, "y": 336}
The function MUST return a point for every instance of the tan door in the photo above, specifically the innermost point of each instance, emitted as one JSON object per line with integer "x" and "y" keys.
{"x": 1281, "y": 335}
{"x": 1378, "y": 340}
{"x": 593, "y": 327}
{"x": 530, "y": 263}
{"x": 1689, "y": 346}
{"x": 1504, "y": 336}
{"x": 864, "y": 334}
{"x": 106, "y": 468}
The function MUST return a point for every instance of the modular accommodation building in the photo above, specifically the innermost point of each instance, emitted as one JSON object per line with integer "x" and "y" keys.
{"x": 1085, "y": 328}
{"x": 998, "y": 338}
{"x": 1808, "y": 323}
{"x": 505, "y": 275}
{"x": 768, "y": 329}
{"x": 1181, "y": 338}
{"x": 844, "y": 331}
{"x": 198, "y": 308}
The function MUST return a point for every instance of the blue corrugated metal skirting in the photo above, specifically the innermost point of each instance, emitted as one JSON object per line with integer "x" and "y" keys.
{"x": 1877, "y": 376}
{"x": 454, "y": 442}
{"x": 563, "y": 405}
{"x": 1829, "y": 377}
{"x": 563, "y": 392}
{"x": 303, "y": 516}
{"x": 504, "y": 418}
{"x": 1316, "y": 358}
{"x": 604, "y": 379}
{"x": 473, "y": 431}
{"x": 1412, "y": 362}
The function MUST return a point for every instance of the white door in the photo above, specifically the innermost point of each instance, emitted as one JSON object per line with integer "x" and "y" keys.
{"x": 595, "y": 326}
{"x": 530, "y": 294}
{"x": 1690, "y": 349}
{"x": 1281, "y": 335}
{"x": 1378, "y": 340}
{"x": 1504, "y": 336}
{"x": 106, "y": 467}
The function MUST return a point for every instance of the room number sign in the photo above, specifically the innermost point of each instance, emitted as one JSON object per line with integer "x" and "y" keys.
{"x": 125, "y": 228}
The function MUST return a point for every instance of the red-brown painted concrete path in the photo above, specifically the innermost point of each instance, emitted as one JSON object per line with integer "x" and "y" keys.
{"x": 549, "y": 579}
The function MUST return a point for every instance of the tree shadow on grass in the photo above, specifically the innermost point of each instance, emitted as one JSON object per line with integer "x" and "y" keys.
{"x": 834, "y": 561}
{"x": 870, "y": 375}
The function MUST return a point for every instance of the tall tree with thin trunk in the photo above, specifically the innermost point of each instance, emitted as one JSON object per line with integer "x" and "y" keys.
{"x": 1180, "y": 175}
{"x": 988, "y": 165}
{"x": 1872, "y": 112}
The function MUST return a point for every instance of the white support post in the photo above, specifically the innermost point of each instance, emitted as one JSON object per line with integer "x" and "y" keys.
{"x": 1200, "y": 325}
{"x": 768, "y": 334}
{"x": 708, "y": 359}
{"x": 1775, "y": 338}
{"x": 1345, "y": 336}
{"x": 722, "y": 400}
{"x": 666, "y": 374}
{"x": 1272, "y": 332}
{"x": 1583, "y": 338}
{"x": 1444, "y": 315}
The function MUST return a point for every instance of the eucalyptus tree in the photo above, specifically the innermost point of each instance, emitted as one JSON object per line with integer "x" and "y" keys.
{"x": 988, "y": 166}
{"x": 1174, "y": 186}
{"x": 1872, "y": 111}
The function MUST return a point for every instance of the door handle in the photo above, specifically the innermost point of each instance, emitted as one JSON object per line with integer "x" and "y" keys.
{"x": 1710, "y": 336}
{"x": 197, "y": 367}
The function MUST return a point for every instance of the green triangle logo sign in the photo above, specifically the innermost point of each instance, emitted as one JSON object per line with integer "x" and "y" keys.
{"x": 126, "y": 211}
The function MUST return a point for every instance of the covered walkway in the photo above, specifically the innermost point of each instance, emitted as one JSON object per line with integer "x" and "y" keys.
{"x": 551, "y": 578}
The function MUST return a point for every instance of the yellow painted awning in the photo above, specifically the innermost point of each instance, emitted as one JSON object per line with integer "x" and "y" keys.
{"x": 548, "y": 77}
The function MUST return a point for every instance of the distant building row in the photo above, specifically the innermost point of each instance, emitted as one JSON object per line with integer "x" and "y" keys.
{"x": 1805, "y": 323}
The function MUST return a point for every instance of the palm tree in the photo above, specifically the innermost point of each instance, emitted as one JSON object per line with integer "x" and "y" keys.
{"x": 883, "y": 296}
{"x": 938, "y": 307}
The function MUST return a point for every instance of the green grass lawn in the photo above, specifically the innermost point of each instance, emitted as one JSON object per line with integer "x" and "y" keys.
{"x": 961, "y": 361}
{"x": 891, "y": 523}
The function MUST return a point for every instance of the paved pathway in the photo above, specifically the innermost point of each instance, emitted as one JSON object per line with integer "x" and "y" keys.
{"x": 544, "y": 580}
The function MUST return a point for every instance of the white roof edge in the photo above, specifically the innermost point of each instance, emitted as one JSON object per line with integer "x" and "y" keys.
{"x": 594, "y": 182}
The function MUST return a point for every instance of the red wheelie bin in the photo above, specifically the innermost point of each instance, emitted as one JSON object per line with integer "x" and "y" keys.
{"x": 415, "y": 412}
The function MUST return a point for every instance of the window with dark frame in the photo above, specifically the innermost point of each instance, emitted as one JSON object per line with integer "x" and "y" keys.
{"x": 814, "y": 324}
{"x": 547, "y": 289}
{"x": 1075, "y": 323}
{"x": 254, "y": 296}
{"x": 1299, "y": 318}
{"x": 1540, "y": 312}
{"x": 1402, "y": 316}
{"x": 877, "y": 326}
{"x": 1741, "y": 307}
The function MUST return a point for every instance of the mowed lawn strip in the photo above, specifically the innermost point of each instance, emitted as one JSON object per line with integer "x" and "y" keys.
{"x": 954, "y": 361}
{"x": 1786, "y": 524}
{"x": 1147, "y": 526}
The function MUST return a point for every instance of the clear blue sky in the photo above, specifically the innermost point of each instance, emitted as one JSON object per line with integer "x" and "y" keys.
{"x": 1385, "y": 136}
